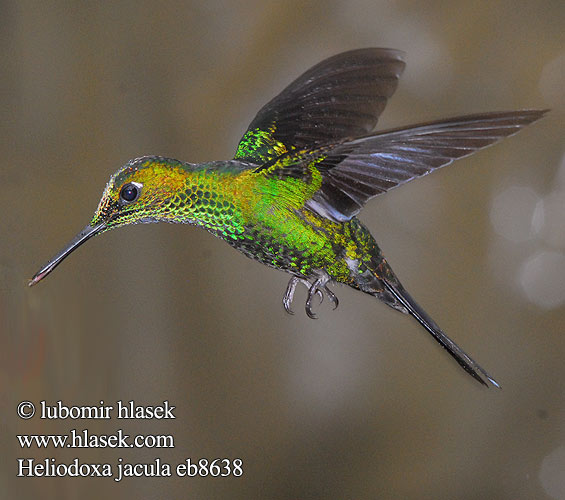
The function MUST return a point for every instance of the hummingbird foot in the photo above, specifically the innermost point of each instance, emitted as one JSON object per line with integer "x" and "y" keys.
{"x": 331, "y": 296}
{"x": 319, "y": 286}
{"x": 316, "y": 288}
{"x": 291, "y": 288}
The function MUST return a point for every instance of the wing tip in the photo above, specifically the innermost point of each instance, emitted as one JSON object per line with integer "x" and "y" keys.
{"x": 494, "y": 383}
{"x": 381, "y": 52}
{"x": 529, "y": 115}
{"x": 478, "y": 373}
{"x": 523, "y": 116}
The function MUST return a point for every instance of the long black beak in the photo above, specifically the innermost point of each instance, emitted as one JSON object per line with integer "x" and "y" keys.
{"x": 87, "y": 233}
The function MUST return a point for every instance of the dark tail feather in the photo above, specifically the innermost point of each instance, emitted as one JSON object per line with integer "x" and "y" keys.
{"x": 470, "y": 366}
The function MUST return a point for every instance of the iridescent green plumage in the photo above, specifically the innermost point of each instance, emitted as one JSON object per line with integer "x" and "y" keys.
{"x": 302, "y": 171}
{"x": 258, "y": 144}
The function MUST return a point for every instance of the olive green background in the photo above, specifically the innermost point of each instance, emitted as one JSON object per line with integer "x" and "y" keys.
{"x": 360, "y": 404}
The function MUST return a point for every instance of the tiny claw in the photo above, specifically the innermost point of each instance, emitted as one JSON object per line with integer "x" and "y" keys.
{"x": 332, "y": 296}
{"x": 317, "y": 288}
{"x": 309, "y": 311}
{"x": 314, "y": 290}
{"x": 289, "y": 294}
{"x": 287, "y": 307}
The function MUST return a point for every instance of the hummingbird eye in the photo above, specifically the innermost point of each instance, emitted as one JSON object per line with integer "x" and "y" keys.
{"x": 130, "y": 192}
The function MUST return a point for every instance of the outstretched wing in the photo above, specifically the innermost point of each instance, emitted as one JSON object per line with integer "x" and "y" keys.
{"x": 355, "y": 171}
{"x": 341, "y": 97}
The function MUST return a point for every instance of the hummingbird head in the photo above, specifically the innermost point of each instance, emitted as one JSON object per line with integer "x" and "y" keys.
{"x": 144, "y": 190}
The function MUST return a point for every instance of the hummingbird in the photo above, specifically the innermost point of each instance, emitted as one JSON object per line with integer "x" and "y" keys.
{"x": 303, "y": 170}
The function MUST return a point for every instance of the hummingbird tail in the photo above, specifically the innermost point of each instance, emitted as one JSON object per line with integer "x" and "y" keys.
{"x": 404, "y": 302}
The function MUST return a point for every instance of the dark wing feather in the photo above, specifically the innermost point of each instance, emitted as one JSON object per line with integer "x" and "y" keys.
{"x": 341, "y": 97}
{"x": 357, "y": 170}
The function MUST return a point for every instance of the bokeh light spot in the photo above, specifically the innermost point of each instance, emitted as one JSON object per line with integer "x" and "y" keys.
{"x": 542, "y": 279}
{"x": 516, "y": 213}
{"x": 552, "y": 80}
{"x": 551, "y": 473}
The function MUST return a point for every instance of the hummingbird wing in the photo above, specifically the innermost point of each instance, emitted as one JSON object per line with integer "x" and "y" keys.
{"x": 355, "y": 171}
{"x": 340, "y": 97}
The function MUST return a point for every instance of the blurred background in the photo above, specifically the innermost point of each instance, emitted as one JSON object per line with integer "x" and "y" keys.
{"x": 358, "y": 404}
